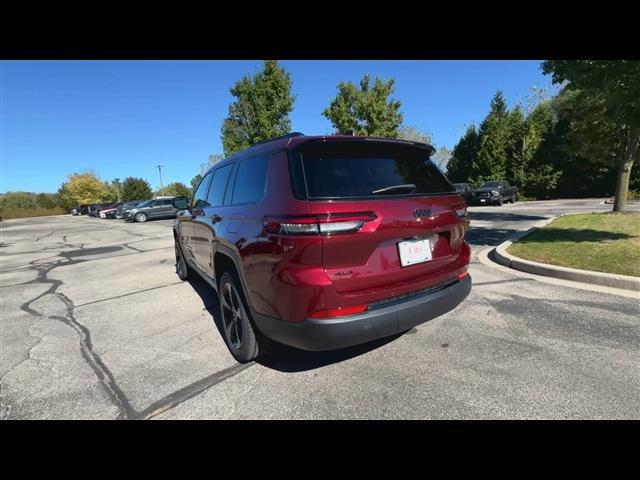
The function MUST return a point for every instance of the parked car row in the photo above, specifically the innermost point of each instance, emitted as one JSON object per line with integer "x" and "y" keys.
{"x": 133, "y": 211}
{"x": 489, "y": 193}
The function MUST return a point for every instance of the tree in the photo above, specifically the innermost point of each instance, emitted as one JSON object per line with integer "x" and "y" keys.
{"x": 213, "y": 159}
{"x": 19, "y": 200}
{"x": 134, "y": 188}
{"x": 261, "y": 109}
{"x": 441, "y": 158}
{"x": 195, "y": 181}
{"x": 463, "y": 156}
{"x": 414, "y": 134}
{"x": 610, "y": 91}
{"x": 47, "y": 200}
{"x": 495, "y": 143}
{"x": 175, "y": 189}
{"x": 518, "y": 148}
{"x": 365, "y": 111}
{"x": 82, "y": 188}
{"x": 114, "y": 191}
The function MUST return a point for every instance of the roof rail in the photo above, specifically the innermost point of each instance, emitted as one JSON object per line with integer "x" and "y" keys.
{"x": 288, "y": 135}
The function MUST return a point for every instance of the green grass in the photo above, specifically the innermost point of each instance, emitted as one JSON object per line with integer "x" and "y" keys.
{"x": 603, "y": 242}
{"x": 8, "y": 213}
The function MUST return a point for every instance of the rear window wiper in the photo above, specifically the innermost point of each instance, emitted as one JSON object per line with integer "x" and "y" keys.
{"x": 406, "y": 188}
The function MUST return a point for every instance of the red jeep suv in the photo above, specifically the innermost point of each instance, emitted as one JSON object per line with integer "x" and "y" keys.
{"x": 322, "y": 242}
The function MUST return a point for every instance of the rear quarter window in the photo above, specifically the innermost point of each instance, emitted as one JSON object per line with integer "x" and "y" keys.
{"x": 218, "y": 186}
{"x": 250, "y": 180}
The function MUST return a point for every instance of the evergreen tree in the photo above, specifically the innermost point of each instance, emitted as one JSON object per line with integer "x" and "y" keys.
{"x": 463, "y": 156}
{"x": 135, "y": 189}
{"x": 495, "y": 143}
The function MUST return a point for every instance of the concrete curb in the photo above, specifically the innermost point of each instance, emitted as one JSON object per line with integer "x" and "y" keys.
{"x": 505, "y": 259}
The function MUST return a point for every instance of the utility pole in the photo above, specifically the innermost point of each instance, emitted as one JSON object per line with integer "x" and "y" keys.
{"x": 159, "y": 167}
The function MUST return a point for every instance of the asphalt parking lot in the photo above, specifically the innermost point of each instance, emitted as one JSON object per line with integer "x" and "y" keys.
{"x": 96, "y": 325}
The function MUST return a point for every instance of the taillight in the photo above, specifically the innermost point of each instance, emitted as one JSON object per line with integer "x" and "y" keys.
{"x": 325, "y": 224}
{"x": 338, "y": 312}
{"x": 461, "y": 211}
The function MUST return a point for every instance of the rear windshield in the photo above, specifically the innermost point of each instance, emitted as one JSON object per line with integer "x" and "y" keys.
{"x": 328, "y": 170}
{"x": 491, "y": 185}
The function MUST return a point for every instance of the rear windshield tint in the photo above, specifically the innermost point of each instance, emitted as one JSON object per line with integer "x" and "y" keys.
{"x": 328, "y": 170}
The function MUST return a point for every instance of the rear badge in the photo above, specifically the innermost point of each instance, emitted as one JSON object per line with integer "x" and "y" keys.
{"x": 343, "y": 274}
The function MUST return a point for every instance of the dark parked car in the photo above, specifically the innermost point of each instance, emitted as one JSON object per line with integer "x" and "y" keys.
{"x": 465, "y": 190}
{"x": 82, "y": 210}
{"x": 156, "y": 208}
{"x": 125, "y": 207}
{"x": 92, "y": 210}
{"x": 495, "y": 193}
{"x": 325, "y": 242}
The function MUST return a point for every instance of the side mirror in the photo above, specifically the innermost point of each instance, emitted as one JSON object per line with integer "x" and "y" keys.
{"x": 180, "y": 203}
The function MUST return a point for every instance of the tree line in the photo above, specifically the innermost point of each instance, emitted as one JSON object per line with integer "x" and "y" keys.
{"x": 84, "y": 188}
{"x": 582, "y": 142}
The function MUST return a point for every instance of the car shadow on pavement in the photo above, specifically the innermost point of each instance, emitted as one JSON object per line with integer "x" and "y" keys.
{"x": 288, "y": 359}
{"x": 503, "y": 216}
{"x": 282, "y": 357}
{"x": 492, "y": 236}
{"x": 488, "y": 236}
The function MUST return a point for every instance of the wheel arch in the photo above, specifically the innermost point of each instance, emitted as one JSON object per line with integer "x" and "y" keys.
{"x": 223, "y": 260}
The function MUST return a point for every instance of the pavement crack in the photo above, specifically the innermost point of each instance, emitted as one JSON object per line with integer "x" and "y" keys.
{"x": 103, "y": 374}
{"x": 128, "y": 294}
{"x": 45, "y": 236}
{"x": 196, "y": 388}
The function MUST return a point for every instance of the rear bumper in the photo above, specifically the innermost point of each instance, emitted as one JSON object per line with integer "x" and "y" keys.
{"x": 332, "y": 334}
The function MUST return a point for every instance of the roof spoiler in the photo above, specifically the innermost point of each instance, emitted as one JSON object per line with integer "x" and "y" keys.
{"x": 281, "y": 137}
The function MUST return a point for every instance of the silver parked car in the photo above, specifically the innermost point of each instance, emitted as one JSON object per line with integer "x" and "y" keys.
{"x": 156, "y": 208}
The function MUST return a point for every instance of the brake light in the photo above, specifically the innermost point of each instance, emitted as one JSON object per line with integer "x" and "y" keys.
{"x": 338, "y": 312}
{"x": 461, "y": 211}
{"x": 462, "y": 276}
{"x": 325, "y": 224}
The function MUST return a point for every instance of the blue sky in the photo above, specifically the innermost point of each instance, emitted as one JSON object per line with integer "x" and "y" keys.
{"x": 121, "y": 118}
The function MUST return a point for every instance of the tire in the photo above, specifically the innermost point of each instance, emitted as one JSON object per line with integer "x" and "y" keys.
{"x": 182, "y": 269}
{"x": 140, "y": 217}
{"x": 500, "y": 202}
{"x": 514, "y": 199}
{"x": 243, "y": 339}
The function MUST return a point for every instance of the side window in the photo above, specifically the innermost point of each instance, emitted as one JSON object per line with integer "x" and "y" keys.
{"x": 165, "y": 202}
{"x": 219, "y": 185}
{"x": 200, "y": 197}
{"x": 250, "y": 180}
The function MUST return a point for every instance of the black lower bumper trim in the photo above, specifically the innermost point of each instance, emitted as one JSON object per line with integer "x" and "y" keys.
{"x": 312, "y": 334}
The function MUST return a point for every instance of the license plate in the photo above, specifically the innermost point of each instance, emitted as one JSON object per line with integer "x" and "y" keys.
{"x": 414, "y": 251}
{"x": 482, "y": 200}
